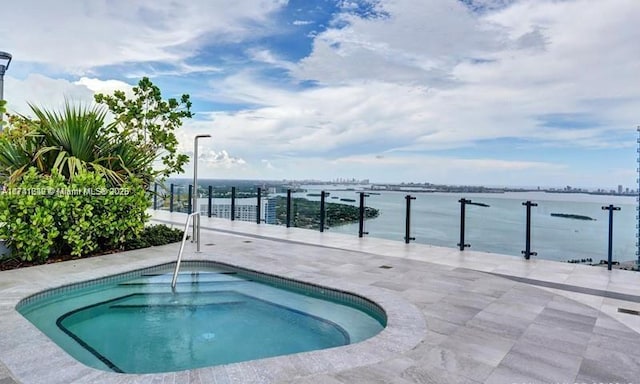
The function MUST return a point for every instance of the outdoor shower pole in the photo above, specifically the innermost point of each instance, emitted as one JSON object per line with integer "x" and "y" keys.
{"x": 194, "y": 204}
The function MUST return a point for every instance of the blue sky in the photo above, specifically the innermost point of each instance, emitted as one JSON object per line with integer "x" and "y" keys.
{"x": 493, "y": 92}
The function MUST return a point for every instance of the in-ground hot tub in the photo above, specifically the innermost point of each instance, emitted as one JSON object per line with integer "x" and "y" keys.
{"x": 218, "y": 314}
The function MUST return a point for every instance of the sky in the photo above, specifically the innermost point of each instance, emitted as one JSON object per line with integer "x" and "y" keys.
{"x": 466, "y": 92}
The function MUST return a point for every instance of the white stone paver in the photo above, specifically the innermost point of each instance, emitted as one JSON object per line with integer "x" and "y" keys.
{"x": 451, "y": 322}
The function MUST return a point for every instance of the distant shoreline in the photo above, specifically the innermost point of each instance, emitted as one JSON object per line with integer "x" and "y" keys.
{"x": 402, "y": 187}
{"x": 493, "y": 190}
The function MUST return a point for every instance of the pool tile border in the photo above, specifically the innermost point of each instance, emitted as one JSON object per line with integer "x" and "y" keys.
{"x": 342, "y": 296}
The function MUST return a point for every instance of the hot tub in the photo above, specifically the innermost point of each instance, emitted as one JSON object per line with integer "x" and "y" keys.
{"x": 218, "y": 314}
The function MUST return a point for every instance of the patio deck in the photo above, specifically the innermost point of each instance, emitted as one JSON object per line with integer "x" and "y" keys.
{"x": 458, "y": 317}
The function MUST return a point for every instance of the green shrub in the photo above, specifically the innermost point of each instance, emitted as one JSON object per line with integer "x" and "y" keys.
{"x": 48, "y": 215}
{"x": 154, "y": 235}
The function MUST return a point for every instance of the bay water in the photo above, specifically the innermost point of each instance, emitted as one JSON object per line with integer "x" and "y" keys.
{"x": 500, "y": 228}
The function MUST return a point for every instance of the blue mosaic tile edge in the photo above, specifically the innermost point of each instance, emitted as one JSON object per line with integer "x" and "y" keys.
{"x": 333, "y": 294}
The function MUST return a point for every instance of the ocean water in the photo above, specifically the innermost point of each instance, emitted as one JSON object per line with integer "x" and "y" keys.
{"x": 500, "y": 228}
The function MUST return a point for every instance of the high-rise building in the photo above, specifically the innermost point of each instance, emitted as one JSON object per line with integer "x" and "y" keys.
{"x": 619, "y": 189}
{"x": 270, "y": 211}
{"x": 246, "y": 209}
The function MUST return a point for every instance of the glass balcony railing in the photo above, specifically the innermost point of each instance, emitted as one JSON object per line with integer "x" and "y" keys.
{"x": 563, "y": 227}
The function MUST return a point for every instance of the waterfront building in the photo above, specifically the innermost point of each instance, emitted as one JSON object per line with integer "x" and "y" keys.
{"x": 245, "y": 209}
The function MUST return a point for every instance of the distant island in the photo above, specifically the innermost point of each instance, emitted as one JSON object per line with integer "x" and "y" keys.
{"x": 306, "y": 213}
{"x": 573, "y": 216}
{"x": 318, "y": 194}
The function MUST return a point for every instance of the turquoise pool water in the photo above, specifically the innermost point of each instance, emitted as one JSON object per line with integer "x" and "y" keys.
{"x": 217, "y": 315}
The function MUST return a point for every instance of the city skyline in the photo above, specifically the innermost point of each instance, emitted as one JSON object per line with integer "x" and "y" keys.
{"x": 181, "y": 182}
{"x": 468, "y": 92}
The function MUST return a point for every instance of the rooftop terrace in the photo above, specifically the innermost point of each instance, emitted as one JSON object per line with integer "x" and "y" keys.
{"x": 454, "y": 317}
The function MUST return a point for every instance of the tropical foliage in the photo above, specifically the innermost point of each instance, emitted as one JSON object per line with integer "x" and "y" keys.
{"x": 46, "y": 215}
{"x": 149, "y": 122}
{"x": 72, "y": 142}
{"x": 154, "y": 235}
{"x": 77, "y": 150}
{"x": 77, "y": 139}
{"x": 3, "y": 109}
{"x": 306, "y": 213}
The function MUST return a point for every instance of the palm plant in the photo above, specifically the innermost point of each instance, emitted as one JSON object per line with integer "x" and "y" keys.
{"x": 73, "y": 141}
{"x": 18, "y": 147}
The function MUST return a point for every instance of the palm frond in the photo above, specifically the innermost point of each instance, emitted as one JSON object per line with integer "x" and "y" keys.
{"x": 72, "y": 141}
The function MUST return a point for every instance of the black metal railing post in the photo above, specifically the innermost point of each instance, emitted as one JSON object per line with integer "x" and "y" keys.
{"x": 189, "y": 207}
{"x": 361, "y": 231}
{"x": 294, "y": 213}
{"x": 527, "y": 244}
{"x": 463, "y": 202}
{"x": 407, "y": 228}
{"x": 210, "y": 198}
{"x": 232, "y": 215}
{"x": 155, "y": 196}
{"x": 610, "y": 208}
{"x": 258, "y": 208}
{"x": 171, "y": 198}
{"x": 322, "y": 197}
{"x": 288, "y": 208}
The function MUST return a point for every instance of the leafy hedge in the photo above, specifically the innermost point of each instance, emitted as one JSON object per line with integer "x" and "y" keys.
{"x": 48, "y": 215}
{"x": 154, "y": 235}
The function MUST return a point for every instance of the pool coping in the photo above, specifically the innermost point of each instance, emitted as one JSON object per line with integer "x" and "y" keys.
{"x": 22, "y": 345}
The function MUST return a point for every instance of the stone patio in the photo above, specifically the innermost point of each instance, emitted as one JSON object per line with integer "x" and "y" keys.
{"x": 457, "y": 317}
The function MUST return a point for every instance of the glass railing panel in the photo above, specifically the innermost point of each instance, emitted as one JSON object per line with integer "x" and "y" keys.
{"x": 564, "y": 227}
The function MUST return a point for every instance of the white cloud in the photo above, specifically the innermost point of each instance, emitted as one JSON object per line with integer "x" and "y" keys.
{"x": 434, "y": 75}
{"x": 43, "y": 92}
{"x": 452, "y": 164}
{"x": 83, "y": 34}
{"x": 105, "y": 86}
{"x": 303, "y": 22}
{"x": 438, "y": 169}
{"x": 220, "y": 159}
{"x": 267, "y": 164}
{"x": 319, "y": 120}
{"x": 179, "y": 69}
{"x": 50, "y": 93}
{"x": 423, "y": 168}
{"x": 419, "y": 42}
{"x": 266, "y": 56}
{"x": 431, "y": 75}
